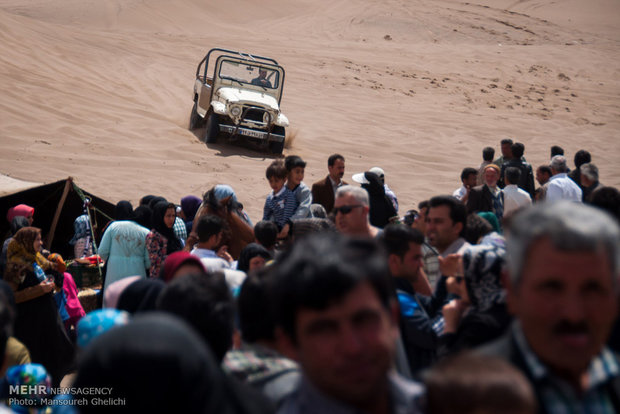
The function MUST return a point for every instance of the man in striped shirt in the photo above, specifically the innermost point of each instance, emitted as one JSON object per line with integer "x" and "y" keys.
{"x": 280, "y": 204}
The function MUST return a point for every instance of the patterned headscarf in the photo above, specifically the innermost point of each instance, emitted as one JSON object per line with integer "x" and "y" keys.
{"x": 33, "y": 376}
{"x": 98, "y": 322}
{"x": 81, "y": 228}
{"x": 482, "y": 265}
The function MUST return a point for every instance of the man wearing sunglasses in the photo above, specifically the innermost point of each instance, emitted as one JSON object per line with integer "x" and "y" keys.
{"x": 351, "y": 212}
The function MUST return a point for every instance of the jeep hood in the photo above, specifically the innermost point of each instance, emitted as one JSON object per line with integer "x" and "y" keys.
{"x": 235, "y": 95}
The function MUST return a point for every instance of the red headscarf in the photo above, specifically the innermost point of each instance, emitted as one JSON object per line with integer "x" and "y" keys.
{"x": 19, "y": 210}
{"x": 175, "y": 260}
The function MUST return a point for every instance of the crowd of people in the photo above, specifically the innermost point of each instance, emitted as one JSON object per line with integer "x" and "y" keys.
{"x": 502, "y": 297}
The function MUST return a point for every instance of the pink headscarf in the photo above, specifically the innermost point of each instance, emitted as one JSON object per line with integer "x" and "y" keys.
{"x": 19, "y": 210}
{"x": 113, "y": 292}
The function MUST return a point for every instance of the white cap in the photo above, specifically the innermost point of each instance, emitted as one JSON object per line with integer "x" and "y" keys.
{"x": 360, "y": 178}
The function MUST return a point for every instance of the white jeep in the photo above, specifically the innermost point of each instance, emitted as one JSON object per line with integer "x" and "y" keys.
{"x": 240, "y": 99}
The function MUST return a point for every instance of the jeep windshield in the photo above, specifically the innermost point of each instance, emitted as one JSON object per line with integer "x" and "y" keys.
{"x": 249, "y": 74}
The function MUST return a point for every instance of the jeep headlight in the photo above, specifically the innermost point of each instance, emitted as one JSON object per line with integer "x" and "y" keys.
{"x": 235, "y": 111}
{"x": 267, "y": 118}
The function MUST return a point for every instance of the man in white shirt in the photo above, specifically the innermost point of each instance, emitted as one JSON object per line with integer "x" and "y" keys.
{"x": 210, "y": 232}
{"x": 560, "y": 186}
{"x": 514, "y": 197}
{"x": 468, "y": 178}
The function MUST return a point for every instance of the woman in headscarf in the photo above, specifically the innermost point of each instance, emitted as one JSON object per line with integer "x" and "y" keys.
{"x": 38, "y": 325}
{"x": 161, "y": 240}
{"x": 480, "y": 315}
{"x": 17, "y": 223}
{"x": 158, "y": 364}
{"x": 253, "y": 257}
{"x": 81, "y": 241}
{"x": 21, "y": 210}
{"x": 123, "y": 246}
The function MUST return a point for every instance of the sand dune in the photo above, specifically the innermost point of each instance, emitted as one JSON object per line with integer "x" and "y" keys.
{"x": 102, "y": 90}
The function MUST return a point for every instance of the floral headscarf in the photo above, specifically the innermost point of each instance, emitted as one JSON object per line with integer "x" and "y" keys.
{"x": 81, "y": 228}
{"x": 482, "y": 266}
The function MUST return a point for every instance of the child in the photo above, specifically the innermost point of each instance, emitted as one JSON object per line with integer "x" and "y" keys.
{"x": 280, "y": 203}
{"x": 295, "y": 167}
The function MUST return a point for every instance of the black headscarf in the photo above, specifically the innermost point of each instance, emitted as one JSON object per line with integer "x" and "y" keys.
{"x": 159, "y": 211}
{"x": 17, "y": 223}
{"x": 124, "y": 211}
{"x": 250, "y": 251}
{"x": 143, "y": 216}
{"x": 140, "y": 296}
{"x": 157, "y": 364}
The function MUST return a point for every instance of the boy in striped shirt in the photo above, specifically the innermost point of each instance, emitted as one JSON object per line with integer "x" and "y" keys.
{"x": 280, "y": 204}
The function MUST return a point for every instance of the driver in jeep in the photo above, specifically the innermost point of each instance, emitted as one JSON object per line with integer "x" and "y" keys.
{"x": 262, "y": 80}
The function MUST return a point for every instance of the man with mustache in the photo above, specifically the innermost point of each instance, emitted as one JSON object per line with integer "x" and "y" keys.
{"x": 563, "y": 291}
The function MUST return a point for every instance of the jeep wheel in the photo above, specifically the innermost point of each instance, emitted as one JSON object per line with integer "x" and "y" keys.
{"x": 213, "y": 128}
{"x": 275, "y": 146}
{"x": 195, "y": 120}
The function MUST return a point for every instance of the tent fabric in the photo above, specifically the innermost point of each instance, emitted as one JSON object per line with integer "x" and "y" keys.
{"x": 10, "y": 185}
{"x": 45, "y": 198}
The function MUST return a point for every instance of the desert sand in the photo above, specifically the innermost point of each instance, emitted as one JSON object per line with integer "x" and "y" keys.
{"x": 102, "y": 90}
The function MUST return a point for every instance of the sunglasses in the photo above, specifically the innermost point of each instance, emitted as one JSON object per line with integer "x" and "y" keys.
{"x": 345, "y": 209}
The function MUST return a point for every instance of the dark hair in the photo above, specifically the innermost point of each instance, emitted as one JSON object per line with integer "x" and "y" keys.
{"x": 467, "y": 171}
{"x": 321, "y": 269}
{"x": 256, "y": 320}
{"x": 488, "y": 153}
{"x": 458, "y": 212}
{"x": 293, "y": 161}
{"x": 333, "y": 158}
{"x": 582, "y": 157}
{"x": 512, "y": 175}
{"x": 467, "y": 382}
{"x": 276, "y": 169}
{"x": 423, "y": 204}
{"x": 545, "y": 169}
{"x": 248, "y": 253}
{"x": 517, "y": 150}
{"x": 607, "y": 199}
{"x": 556, "y": 150}
{"x": 207, "y": 226}
{"x": 506, "y": 141}
{"x": 123, "y": 211}
{"x": 266, "y": 233}
{"x": 396, "y": 238}
{"x": 204, "y": 301}
{"x": 476, "y": 228}
{"x": 143, "y": 215}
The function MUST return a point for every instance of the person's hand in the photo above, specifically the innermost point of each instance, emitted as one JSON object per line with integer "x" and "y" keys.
{"x": 284, "y": 232}
{"x": 46, "y": 286}
{"x": 223, "y": 253}
{"x": 452, "y": 314}
{"x": 450, "y": 265}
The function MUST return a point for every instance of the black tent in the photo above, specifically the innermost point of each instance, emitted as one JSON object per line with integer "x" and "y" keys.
{"x": 56, "y": 206}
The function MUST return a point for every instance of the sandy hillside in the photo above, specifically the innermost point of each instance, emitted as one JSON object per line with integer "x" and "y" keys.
{"x": 102, "y": 90}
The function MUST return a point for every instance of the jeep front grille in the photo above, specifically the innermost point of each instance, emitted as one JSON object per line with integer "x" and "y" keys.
{"x": 254, "y": 114}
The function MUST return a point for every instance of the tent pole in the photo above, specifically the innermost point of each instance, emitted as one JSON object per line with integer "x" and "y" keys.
{"x": 61, "y": 203}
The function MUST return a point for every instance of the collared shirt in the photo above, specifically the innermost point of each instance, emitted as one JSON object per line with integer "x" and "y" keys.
{"x": 180, "y": 230}
{"x": 561, "y": 187}
{"x": 210, "y": 260}
{"x": 280, "y": 206}
{"x": 335, "y": 184}
{"x": 559, "y": 397}
{"x": 514, "y": 197}
{"x": 457, "y": 246}
{"x": 459, "y": 193}
{"x": 307, "y": 399}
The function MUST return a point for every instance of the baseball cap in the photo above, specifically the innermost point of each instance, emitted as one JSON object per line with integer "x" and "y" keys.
{"x": 360, "y": 178}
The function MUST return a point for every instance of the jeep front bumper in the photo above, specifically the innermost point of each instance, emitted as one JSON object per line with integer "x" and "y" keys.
{"x": 252, "y": 133}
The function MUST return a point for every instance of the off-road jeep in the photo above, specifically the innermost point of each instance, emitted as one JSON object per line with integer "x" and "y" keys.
{"x": 240, "y": 100}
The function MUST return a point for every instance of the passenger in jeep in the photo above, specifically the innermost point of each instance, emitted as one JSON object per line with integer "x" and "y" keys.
{"x": 262, "y": 79}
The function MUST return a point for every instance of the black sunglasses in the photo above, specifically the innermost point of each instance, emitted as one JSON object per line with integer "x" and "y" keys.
{"x": 345, "y": 209}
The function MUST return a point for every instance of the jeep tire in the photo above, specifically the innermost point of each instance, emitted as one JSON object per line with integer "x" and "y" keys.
{"x": 213, "y": 128}
{"x": 195, "y": 120}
